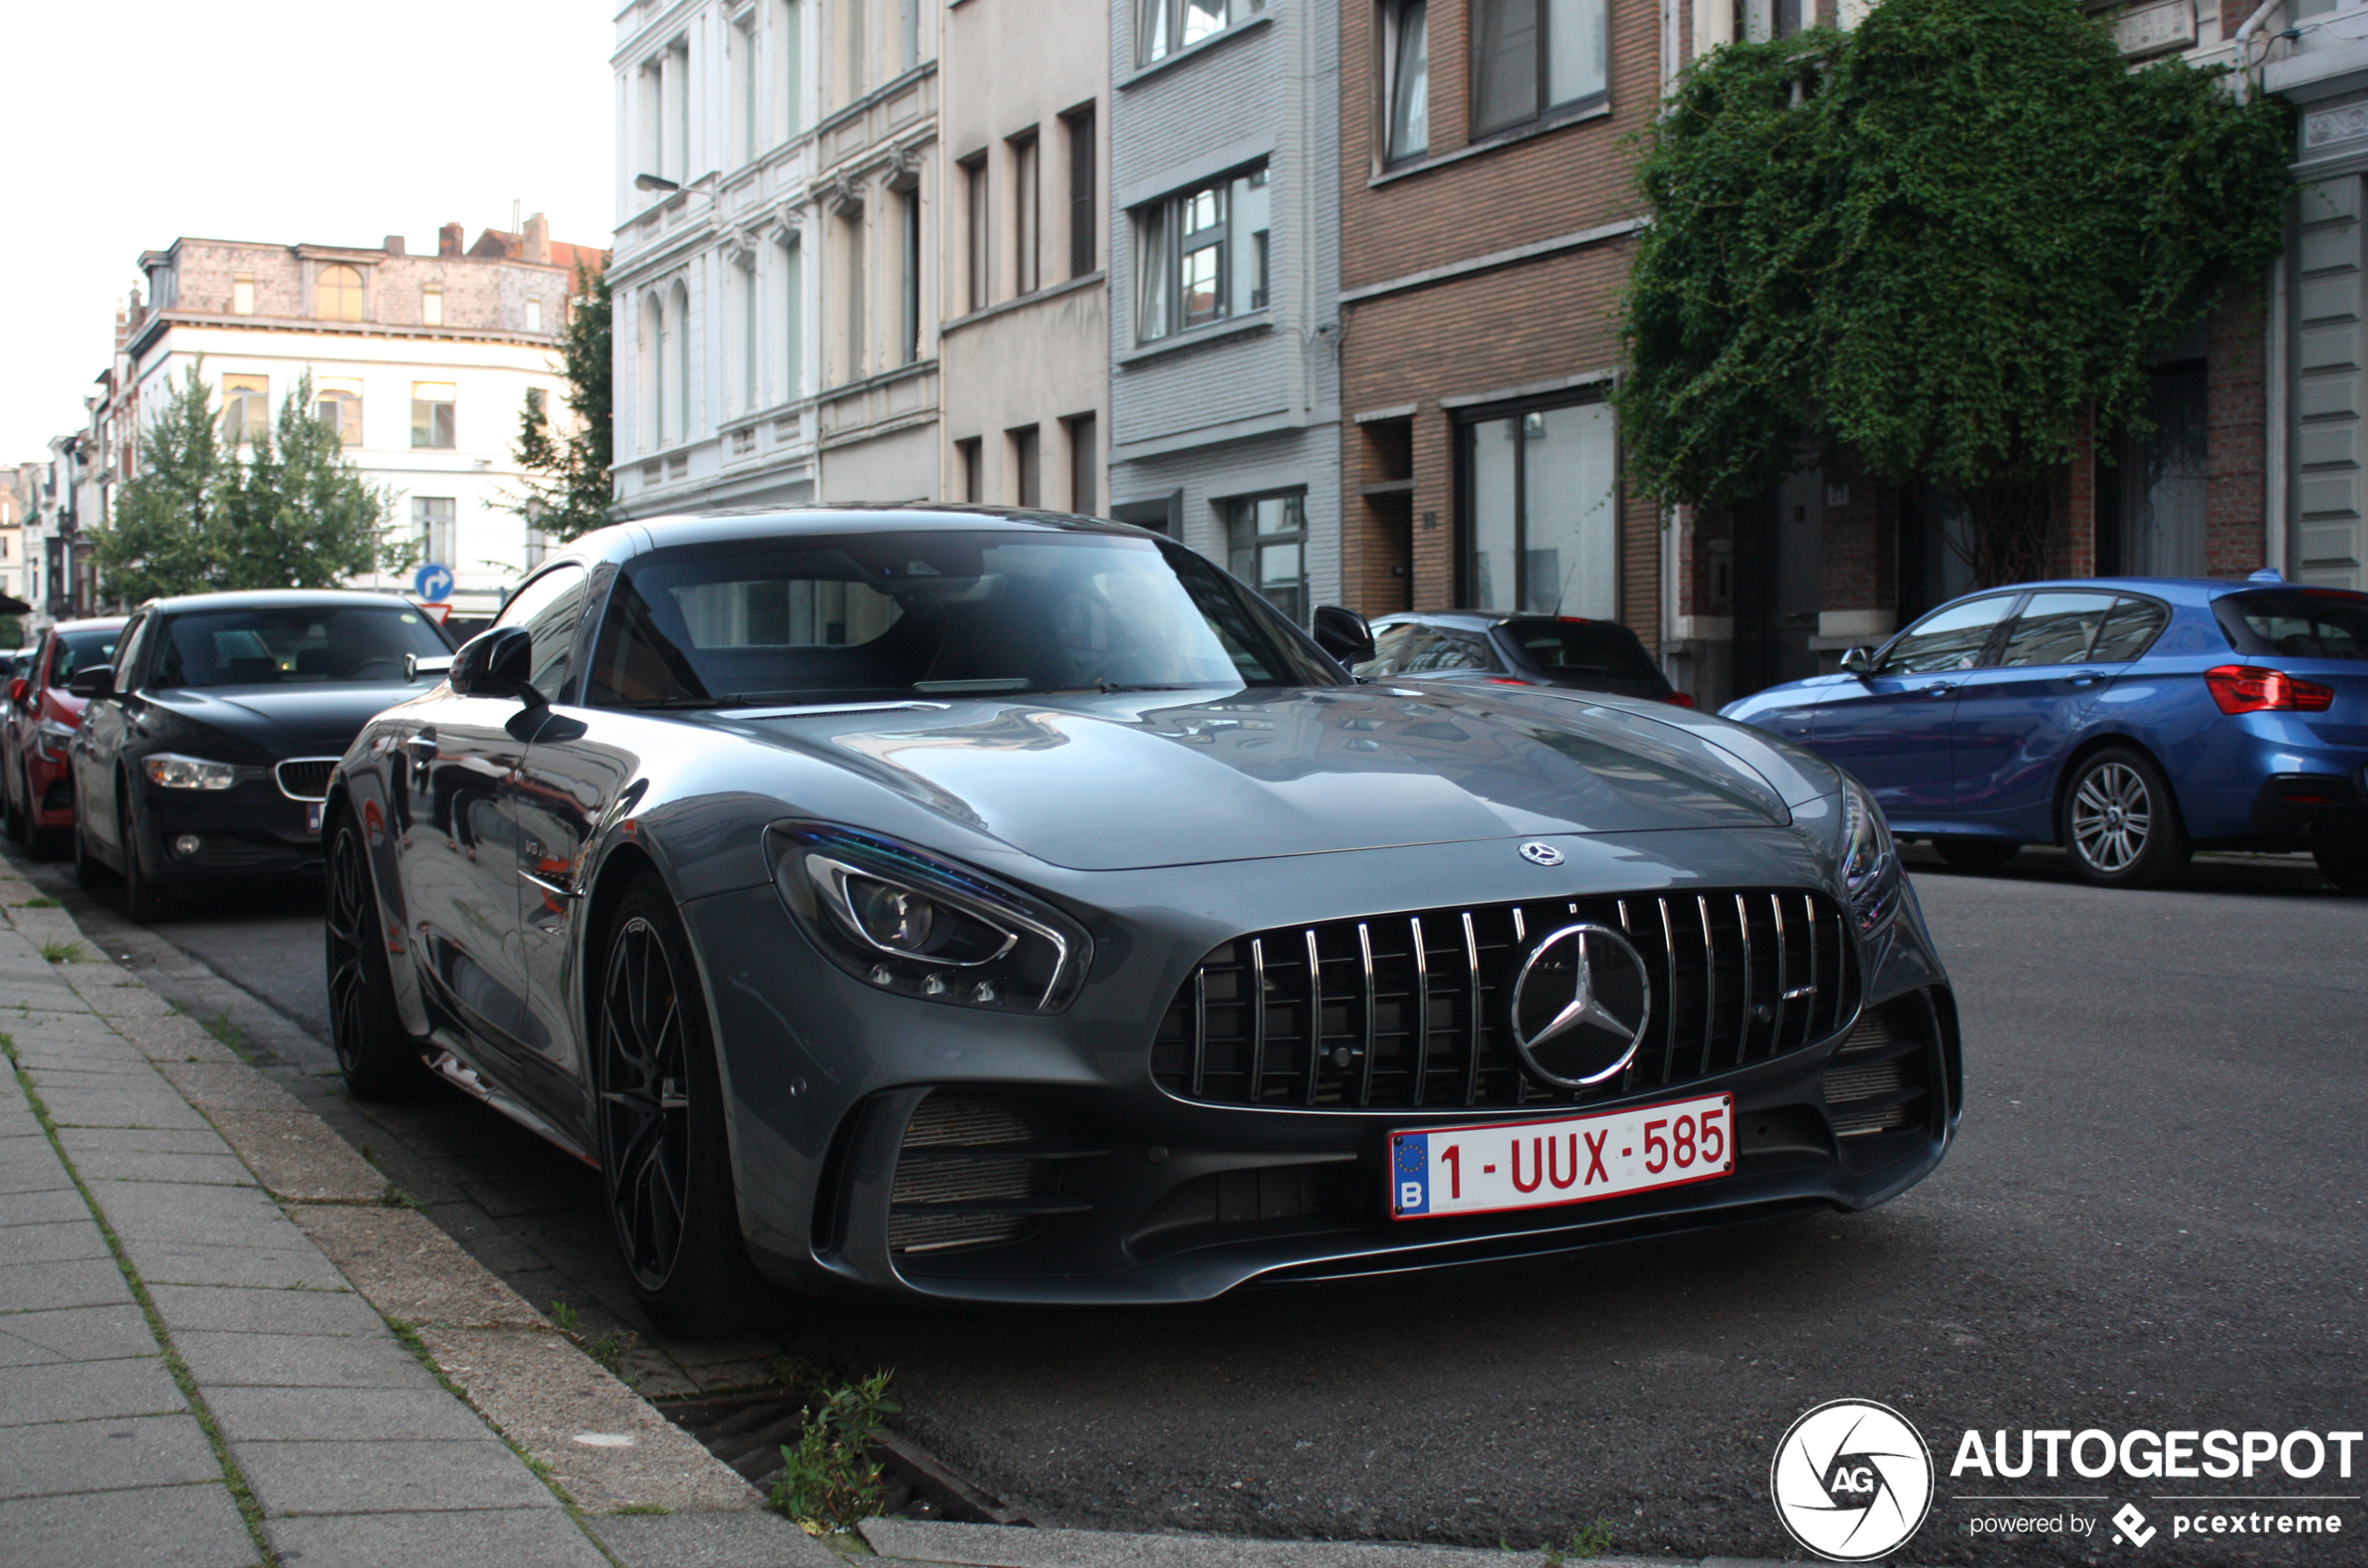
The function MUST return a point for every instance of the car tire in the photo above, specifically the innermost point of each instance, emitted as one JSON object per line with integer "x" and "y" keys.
{"x": 144, "y": 902}
{"x": 2120, "y": 821}
{"x": 2345, "y": 863}
{"x": 88, "y": 870}
{"x": 380, "y": 1061}
{"x": 665, "y": 1166}
{"x": 1976, "y": 854}
{"x": 19, "y": 822}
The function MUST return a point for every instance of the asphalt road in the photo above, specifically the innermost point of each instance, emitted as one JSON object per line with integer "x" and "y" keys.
{"x": 2154, "y": 1218}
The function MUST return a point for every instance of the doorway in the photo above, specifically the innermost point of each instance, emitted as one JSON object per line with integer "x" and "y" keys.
{"x": 1780, "y": 563}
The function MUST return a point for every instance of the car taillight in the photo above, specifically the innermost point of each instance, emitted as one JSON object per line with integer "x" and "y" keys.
{"x": 2251, "y": 689}
{"x": 1508, "y": 680}
{"x": 1682, "y": 699}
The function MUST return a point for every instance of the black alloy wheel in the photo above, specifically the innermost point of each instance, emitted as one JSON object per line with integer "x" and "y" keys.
{"x": 2343, "y": 862}
{"x": 143, "y": 899}
{"x": 1976, "y": 854}
{"x": 664, "y": 1159}
{"x": 379, "y": 1060}
{"x": 2121, "y": 822}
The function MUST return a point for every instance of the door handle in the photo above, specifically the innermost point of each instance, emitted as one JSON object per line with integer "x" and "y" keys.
{"x": 423, "y": 747}
{"x": 2087, "y": 677}
{"x": 1942, "y": 690}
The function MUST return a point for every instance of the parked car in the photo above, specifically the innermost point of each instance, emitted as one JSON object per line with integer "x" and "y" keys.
{"x": 1516, "y": 651}
{"x": 37, "y": 781}
{"x": 991, "y": 906}
{"x": 206, "y": 751}
{"x": 2130, "y": 720}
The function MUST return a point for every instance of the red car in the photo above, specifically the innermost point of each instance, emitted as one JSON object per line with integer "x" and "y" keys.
{"x": 40, "y": 718}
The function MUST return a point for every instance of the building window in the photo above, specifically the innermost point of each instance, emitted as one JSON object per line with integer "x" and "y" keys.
{"x": 246, "y": 406}
{"x": 242, "y": 294}
{"x": 744, "y": 306}
{"x": 1406, "y": 89}
{"x": 336, "y": 294}
{"x": 1541, "y": 510}
{"x": 1531, "y": 57}
{"x": 339, "y": 405}
{"x": 433, "y": 521}
{"x": 1266, "y": 537}
{"x": 851, "y": 13}
{"x": 677, "y": 367}
{"x": 651, "y": 377}
{"x": 431, "y": 306}
{"x": 1204, "y": 255}
{"x": 789, "y": 38}
{"x": 534, "y": 315}
{"x": 1085, "y": 465}
{"x": 978, "y": 258}
{"x": 432, "y": 418}
{"x": 792, "y": 295}
{"x": 746, "y": 82}
{"x": 1027, "y": 247}
{"x": 1164, "y": 26}
{"x": 677, "y": 83}
{"x": 1027, "y": 467}
{"x": 909, "y": 35}
{"x": 970, "y": 456}
{"x": 538, "y": 541}
{"x": 1084, "y": 153}
{"x": 851, "y": 247}
{"x": 908, "y": 207}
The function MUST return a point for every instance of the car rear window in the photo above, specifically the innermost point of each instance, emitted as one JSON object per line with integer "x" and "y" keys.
{"x": 2300, "y": 623}
{"x": 1602, "y": 649}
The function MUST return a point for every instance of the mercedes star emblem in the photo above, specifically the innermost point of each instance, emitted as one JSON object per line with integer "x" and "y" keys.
{"x": 1581, "y": 1005}
{"x": 1539, "y": 854}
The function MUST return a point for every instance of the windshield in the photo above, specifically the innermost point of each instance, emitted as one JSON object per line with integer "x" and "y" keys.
{"x": 862, "y": 617}
{"x": 80, "y": 650}
{"x": 1571, "y": 647}
{"x": 2300, "y": 624}
{"x": 298, "y": 645}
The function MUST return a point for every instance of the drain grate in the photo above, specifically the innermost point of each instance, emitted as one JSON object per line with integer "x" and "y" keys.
{"x": 747, "y": 1431}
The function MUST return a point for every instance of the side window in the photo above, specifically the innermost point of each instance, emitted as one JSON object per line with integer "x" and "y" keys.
{"x": 2130, "y": 630}
{"x": 548, "y": 608}
{"x": 1949, "y": 638}
{"x": 1452, "y": 651}
{"x": 2055, "y": 628}
{"x": 130, "y": 652}
{"x": 1392, "y": 647}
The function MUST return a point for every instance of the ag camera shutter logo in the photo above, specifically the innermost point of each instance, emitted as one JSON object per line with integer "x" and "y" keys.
{"x": 1851, "y": 1480}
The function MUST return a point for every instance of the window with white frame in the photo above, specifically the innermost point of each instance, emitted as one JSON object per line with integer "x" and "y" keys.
{"x": 789, "y": 43}
{"x": 1530, "y": 58}
{"x": 789, "y": 303}
{"x": 751, "y": 330}
{"x": 678, "y": 364}
{"x": 1027, "y": 238}
{"x": 1406, "y": 83}
{"x": 337, "y": 402}
{"x": 434, "y": 421}
{"x": 747, "y": 90}
{"x": 1202, "y": 256}
{"x": 1266, "y": 544}
{"x": 242, "y": 294}
{"x": 1161, "y": 27}
{"x": 1541, "y": 498}
{"x": 434, "y": 523}
{"x": 534, "y": 315}
{"x": 336, "y": 294}
{"x": 246, "y": 406}
{"x": 431, "y": 306}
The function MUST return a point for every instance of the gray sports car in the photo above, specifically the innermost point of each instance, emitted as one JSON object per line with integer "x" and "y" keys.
{"x": 1000, "y": 906}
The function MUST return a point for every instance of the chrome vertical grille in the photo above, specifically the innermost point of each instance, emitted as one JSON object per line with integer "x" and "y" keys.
{"x": 1413, "y": 1011}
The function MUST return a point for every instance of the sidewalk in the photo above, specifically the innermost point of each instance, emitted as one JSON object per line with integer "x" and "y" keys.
{"x": 226, "y": 1341}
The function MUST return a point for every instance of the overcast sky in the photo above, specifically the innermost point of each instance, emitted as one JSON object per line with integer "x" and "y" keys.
{"x": 132, "y": 124}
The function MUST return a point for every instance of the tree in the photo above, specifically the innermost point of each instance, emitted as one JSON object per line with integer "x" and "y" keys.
{"x": 291, "y": 512}
{"x": 1940, "y": 247}
{"x": 567, "y": 477}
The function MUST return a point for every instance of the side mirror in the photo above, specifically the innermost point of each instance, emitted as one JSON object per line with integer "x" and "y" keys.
{"x": 16, "y": 690}
{"x": 496, "y": 664}
{"x": 96, "y": 682}
{"x": 1858, "y": 661}
{"x": 435, "y": 664}
{"x": 1343, "y": 634}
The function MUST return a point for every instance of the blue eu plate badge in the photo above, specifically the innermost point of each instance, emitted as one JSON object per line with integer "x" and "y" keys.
{"x": 313, "y": 817}
{"x": 1412, "y": 1174}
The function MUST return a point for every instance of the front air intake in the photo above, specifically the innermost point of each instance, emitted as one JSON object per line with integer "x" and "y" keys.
{"x": 974, "y": 1172}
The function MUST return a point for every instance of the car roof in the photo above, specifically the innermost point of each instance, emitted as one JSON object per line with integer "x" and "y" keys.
{"x": 279, "y": 599}
{"x": 2178, "y": 590}
{"x": 779, "y": 522}
{"x": 92, "y": 623}
{"x": 1481, "y": 619}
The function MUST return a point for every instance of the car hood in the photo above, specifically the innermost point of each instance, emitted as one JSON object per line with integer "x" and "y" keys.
{"x": 286, "y": 721}
{"x": 1130, "y": 781}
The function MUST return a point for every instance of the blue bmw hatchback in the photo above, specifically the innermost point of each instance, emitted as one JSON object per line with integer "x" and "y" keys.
{"x": 2130, "y": 720}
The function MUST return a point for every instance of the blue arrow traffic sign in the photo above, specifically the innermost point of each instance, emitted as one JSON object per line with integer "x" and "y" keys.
{"x": 433, "y": 583}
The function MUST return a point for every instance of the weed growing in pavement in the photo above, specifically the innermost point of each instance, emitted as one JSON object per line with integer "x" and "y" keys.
{"x": 609, "y": 1350}
{"x": 59, "y": 951}
{"x": 222, "y": 1026}
{"x": 393, "y": 1197}
{"x": 829, "y": 1479}
{"x": 642, "y": 1508}
{"x": 42, "y": 903}
{"x": 562, "y": 1317}
{"x": 1592, "y": 1541}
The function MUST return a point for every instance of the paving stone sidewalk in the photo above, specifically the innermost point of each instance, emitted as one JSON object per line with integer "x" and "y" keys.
{"x": 225, "y": 1342}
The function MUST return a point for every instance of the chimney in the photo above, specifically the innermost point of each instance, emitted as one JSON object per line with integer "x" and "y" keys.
{"x": 448, "y": 240}
{"x": 537, "y": 238}
{"x": 394, "y": 244}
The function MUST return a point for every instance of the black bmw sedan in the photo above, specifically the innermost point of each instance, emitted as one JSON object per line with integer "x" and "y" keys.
{"x": 206, "y": 751}
{"x": 997, "y": 906}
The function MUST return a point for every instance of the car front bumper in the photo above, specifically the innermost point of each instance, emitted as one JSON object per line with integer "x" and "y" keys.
{"x": 249, "y": 829}
{"x": 1047, "y": 1162}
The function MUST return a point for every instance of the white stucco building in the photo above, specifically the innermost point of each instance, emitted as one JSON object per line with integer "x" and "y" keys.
{"x": 424, "y": 362}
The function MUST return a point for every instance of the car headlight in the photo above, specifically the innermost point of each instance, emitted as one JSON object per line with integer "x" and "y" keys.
{"x": 907, "y": 922}
{"x": 1870, "y": 860}
{"x": 172, "y": 772}
{"x": 53, "y": 739}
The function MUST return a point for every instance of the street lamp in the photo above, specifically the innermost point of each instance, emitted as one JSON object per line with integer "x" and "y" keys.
{"x": 655, "y": 181}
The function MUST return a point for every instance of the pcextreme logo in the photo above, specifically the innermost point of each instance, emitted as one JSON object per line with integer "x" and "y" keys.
{"x": 1851, "y": 1480}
